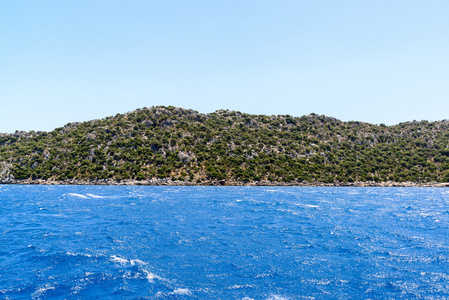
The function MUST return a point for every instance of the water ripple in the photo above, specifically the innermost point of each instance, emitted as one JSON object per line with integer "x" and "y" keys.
{"x": 100, "y": 242}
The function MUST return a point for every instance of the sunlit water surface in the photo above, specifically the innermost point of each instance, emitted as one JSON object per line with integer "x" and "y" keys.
{"x": 104, "y": 242}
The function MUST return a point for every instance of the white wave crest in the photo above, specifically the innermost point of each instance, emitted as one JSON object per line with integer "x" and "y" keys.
{"x": 38, "y": 293}
{"x": 96, "y": 196}
{"x": 78, "y": 254}
{"x": 276, "y": 297}
{"x": 119, "y": 260}
{"x": 151, "y": 276}
{"x": 86, "y": 196}
{"x": 132, "y": 262}
{"x": 181, "y": 292}
{"x": 137, "y": 262}
{"x": 236, "y": 286}
{"x": 77, "y": 195}
{"x": 124, "y": 261}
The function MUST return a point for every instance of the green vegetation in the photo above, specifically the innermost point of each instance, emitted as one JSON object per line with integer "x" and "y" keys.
{"x": 169, "y": 142}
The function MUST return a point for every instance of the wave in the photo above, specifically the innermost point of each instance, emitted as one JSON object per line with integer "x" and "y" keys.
{"x": 96, "y": 196}
{"x": 86, "y": 196}
{"x": 41, "y": 291}
{"x": 173, "y": 245}
{"x": 119, "y": 260}
{"x": 78, "y": 254}
{"x": 149, "y": 276}
{"x": 124, "y": 261}
{"x": 181, "y": 292}
{"x": 277, "y": 297}
{"x": 237, "y": 286}
{"x": 77, "y": 195}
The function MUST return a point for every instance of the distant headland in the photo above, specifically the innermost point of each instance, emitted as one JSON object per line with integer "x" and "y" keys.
{"x": 175, "y": 146}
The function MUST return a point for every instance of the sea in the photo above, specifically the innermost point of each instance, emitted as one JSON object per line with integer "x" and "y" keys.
{"x": 273, "y": 243}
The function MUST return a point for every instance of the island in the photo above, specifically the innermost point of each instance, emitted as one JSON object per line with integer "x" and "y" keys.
{"x": 176, "y": 146}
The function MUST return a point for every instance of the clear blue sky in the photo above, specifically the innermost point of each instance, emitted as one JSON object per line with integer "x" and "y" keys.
{"x": 373, "y": 61}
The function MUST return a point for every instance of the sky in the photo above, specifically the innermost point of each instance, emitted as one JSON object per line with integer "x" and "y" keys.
{"x": 371, "y": 61}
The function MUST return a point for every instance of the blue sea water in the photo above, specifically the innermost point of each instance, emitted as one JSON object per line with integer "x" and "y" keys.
{"x": 130, "y": 242}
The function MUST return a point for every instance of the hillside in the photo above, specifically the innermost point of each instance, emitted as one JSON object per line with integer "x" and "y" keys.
{"x": 228, "y": 147}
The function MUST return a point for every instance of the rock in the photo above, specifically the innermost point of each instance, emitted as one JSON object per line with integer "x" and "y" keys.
{"x": 184, "y": 156}
{"x": 5, "y": 171}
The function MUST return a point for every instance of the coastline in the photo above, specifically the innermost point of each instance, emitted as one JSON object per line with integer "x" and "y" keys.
{"x": 169, "y": 182}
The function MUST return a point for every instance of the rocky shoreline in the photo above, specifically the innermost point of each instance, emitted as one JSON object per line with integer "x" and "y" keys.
{"x": 169, "y": 182}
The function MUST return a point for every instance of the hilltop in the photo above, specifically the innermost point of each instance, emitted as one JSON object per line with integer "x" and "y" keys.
{"x": 180, "y": 146}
